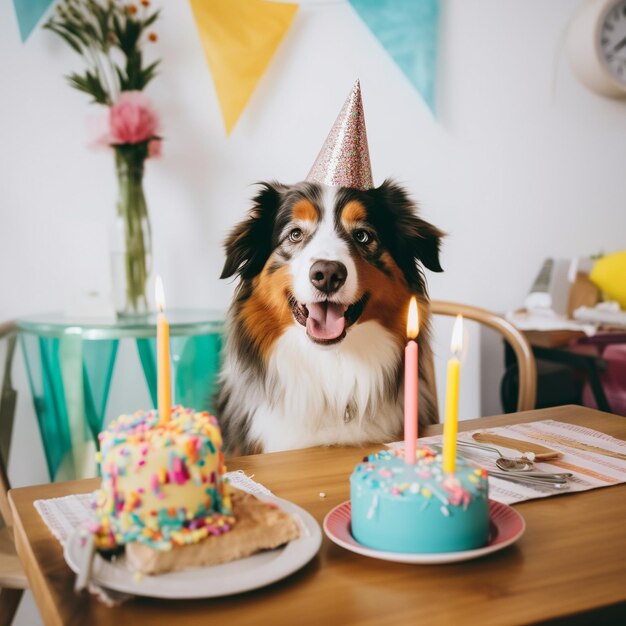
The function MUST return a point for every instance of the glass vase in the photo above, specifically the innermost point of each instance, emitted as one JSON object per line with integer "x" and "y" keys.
{"x": 131, "y": 238}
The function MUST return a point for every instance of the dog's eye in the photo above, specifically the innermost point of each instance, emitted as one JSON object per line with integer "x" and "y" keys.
{"x": 295, "y": 235}
{"x": 362, "y": 236}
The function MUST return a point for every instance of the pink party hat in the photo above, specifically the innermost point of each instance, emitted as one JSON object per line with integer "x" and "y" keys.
{"x": 344, "y": 160}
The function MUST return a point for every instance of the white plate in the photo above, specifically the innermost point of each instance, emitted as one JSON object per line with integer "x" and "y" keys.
{"x": 506, "y": 526}
{"x": 253, "y": 572}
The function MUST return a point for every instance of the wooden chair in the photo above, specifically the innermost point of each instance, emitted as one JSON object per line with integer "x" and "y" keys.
{"x": 525, "y": 358}
{"x": 12, "y": 577}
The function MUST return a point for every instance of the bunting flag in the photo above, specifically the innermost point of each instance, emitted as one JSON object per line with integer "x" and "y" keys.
{"x": 408, "y": 30}
{"x": 28, "y": 13}
{"x": 240, "y": 38}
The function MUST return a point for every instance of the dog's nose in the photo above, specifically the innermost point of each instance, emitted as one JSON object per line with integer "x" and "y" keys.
{"x": 328, "y": 276}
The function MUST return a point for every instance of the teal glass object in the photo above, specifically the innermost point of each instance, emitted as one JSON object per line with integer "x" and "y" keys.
{"x": 69, "y": 382}
{"x": 98, "y": 362}
{"x": 49, "y": 407}
{"x": 70, "y": 364}
{"x": 409, "y": 32}
{"x": 196, "y": 374}
{"x": 195, "y": 363}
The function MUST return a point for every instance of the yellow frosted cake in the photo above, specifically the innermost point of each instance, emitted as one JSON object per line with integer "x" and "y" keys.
{"x": 165, "y": 499}
{"x": 162, "y": 482}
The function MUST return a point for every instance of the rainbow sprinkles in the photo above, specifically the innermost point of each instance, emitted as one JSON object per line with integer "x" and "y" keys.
{"x": 162, "y": 482}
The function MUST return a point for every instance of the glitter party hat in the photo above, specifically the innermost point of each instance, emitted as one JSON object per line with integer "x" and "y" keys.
{"x": 344, "y": 160}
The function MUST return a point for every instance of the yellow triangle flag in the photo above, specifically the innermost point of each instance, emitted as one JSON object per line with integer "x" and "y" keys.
{"x": 240, "y": 38}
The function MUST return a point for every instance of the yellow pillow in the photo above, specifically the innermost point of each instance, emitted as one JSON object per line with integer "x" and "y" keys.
{"x": 609, "y": 275}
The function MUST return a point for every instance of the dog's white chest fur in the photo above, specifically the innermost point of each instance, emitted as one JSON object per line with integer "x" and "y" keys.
{"x": 308, "y": 389}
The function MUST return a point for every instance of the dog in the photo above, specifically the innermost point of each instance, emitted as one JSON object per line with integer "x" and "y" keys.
{"x": 316, "y": 331}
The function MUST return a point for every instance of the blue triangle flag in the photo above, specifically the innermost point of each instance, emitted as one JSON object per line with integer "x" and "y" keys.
{"x": 408, "y": 30}
{"x": 28, "y": 13}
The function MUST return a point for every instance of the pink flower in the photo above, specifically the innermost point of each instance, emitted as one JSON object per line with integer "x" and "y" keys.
{"x": 154, "y": 148}
{"x": 132, "y": 119}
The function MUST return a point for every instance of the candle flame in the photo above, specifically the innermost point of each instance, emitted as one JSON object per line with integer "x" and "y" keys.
{"x": 159, "y": 294}
{"x": 412, "y": 321}
{"x": 456, "y": 343}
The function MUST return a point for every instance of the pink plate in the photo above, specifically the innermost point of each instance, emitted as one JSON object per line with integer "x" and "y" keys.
{"x": 506, "y": 526}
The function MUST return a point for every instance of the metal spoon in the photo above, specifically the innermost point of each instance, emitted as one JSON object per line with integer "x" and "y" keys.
{"x": 505, "y": 466}
{"x": 520, "y": 464}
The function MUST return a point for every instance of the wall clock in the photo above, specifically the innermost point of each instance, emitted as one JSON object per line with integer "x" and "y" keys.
{"x": 596, "y": 45}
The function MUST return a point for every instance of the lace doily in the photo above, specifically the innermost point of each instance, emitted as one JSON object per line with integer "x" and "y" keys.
{"x": 63, "y": 515}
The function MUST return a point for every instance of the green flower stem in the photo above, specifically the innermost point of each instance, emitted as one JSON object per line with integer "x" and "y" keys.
{"x": 132, "y": 209}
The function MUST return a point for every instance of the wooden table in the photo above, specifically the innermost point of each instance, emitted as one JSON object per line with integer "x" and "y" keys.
{"x": 570, "y": 562}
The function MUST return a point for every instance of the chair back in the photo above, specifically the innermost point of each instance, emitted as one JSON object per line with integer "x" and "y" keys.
{"x": 523, "y": 352}
{"x": 5, "y": 509}
{"x": 8, "y": 332}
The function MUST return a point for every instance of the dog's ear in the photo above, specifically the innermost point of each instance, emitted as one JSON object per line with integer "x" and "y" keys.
{"x": 249, "y": 244}
{"x": 427, "y": 243}
{"x": 414, "y": 236}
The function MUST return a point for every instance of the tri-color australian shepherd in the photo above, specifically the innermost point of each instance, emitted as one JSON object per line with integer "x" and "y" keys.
{"x": 317, "y": 328}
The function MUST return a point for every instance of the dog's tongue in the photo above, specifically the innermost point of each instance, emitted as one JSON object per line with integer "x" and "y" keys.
{"x": 326, "y": 320}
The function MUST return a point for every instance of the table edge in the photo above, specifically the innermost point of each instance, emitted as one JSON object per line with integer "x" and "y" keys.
{"x": 47, "y": 608}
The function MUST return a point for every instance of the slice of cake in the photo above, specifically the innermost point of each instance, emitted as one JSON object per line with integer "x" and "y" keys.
{"x": 164, "y": 496}
{"x": 260, "y": 526}
{"x": 397, "y": 507}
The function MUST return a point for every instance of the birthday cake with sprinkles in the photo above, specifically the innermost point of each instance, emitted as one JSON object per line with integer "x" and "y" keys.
{"x": 165, "y": 498}
{"x": 418, "y": 508}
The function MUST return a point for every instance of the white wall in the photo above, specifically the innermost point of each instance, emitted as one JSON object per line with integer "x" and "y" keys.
{"x": 523, "y": 162}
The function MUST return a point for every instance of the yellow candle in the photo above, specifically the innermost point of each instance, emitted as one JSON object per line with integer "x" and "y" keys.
{"x": 450, "y": 426}
{"x": 164, "y": 388}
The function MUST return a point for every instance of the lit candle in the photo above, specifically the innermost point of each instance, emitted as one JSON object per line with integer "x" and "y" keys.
{"x": 410, "y": 383}
{"x": 164, "y": 390}
{"x": 450, "y": 426}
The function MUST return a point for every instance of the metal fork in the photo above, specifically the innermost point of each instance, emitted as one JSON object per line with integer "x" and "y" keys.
{"x": 560, "y": 484}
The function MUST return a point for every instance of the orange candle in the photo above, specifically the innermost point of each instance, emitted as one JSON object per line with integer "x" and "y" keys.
{"x": 164, "y": 388}
{"x": 410, "y": 383}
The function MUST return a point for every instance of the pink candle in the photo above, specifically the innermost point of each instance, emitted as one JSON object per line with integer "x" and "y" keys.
{"x": 410, "y": 384}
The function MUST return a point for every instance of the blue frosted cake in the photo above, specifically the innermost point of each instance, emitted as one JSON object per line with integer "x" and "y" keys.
{"x": 397, "y": 507}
